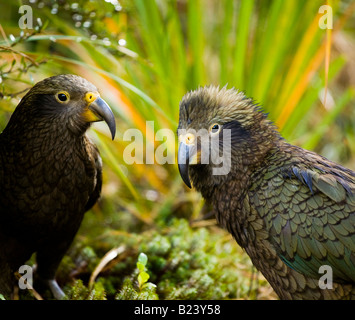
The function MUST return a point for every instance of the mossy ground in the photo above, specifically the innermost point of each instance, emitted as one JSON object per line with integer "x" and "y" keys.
{"x": 184, "y": 262}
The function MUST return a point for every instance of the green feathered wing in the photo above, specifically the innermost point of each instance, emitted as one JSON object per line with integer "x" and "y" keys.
{"x": 309, "y": 212}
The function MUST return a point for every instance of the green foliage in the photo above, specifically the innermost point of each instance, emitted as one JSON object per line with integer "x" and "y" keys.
{"x": 128, "y": 292}
{"x": 146, "y": 290}
{"x": 143, "y": 276}
{"x": 181, "y": 262}
{"x": 79, "y": 292}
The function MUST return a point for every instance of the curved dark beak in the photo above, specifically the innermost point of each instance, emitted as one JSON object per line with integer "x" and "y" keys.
{"x": 103, "y": 112}
{"x": 183, "y": 162}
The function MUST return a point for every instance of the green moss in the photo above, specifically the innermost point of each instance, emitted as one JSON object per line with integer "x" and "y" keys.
{"x": 130, "y": 291}
{"x": 80, "y": 292}
{"x": 182, "y": 263}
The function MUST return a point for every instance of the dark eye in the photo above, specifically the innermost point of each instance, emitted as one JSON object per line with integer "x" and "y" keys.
{"x": 215, "y": 128}
{"x": 62, "y": 96}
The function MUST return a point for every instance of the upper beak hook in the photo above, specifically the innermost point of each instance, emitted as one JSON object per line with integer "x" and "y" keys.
{"x": 183, "y": 162}
{"x": 104, "y": 112}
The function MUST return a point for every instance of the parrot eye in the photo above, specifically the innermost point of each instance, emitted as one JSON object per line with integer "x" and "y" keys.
{"x": 62, "y": 96}
{"x": 215, "y": 128}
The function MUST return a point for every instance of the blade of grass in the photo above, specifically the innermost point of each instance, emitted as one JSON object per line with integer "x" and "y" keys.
{"x": 296, "y": 125}
{"x": 281, "y": 20}
{"x": 326, "y": 122}
{"x": 300, "y": 87}
{"x": 296, "y": 68}
{"x": 116, "y": 168}
{"x": 327, "y": 59}
{"x": 226, "y": 43}
{"x": 196, "y": 43}
{"x": 242, "y": 35}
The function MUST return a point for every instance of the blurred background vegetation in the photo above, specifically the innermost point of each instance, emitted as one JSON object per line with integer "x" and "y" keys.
{"x": 144, "y": 55}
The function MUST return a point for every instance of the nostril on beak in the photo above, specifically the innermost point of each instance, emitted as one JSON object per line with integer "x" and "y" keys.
{"x": 189, "y": 138}
{"x": 90, "y": 97}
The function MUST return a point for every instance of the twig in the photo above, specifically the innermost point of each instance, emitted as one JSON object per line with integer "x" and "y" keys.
{"x": 203, "y": 223}
{"x": 13, "y": 51}
{"x": 109, "y": 256}
{"x": 253, "y": 273}
{"x": 30, "y": 288}
{"x": 13, "y": 95}
{"x": 5, "y": 38}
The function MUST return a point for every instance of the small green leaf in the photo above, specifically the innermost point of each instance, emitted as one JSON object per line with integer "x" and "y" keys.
{"x": 140, "y": 266}
{"x": 45, "y": 25}
{"x": 143, "y": 259}
{"x": 143, "y": 278}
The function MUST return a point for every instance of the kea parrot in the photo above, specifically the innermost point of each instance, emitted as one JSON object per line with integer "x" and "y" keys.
{"x": 50, "y": 175}
{"x": 291, "y": 210}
